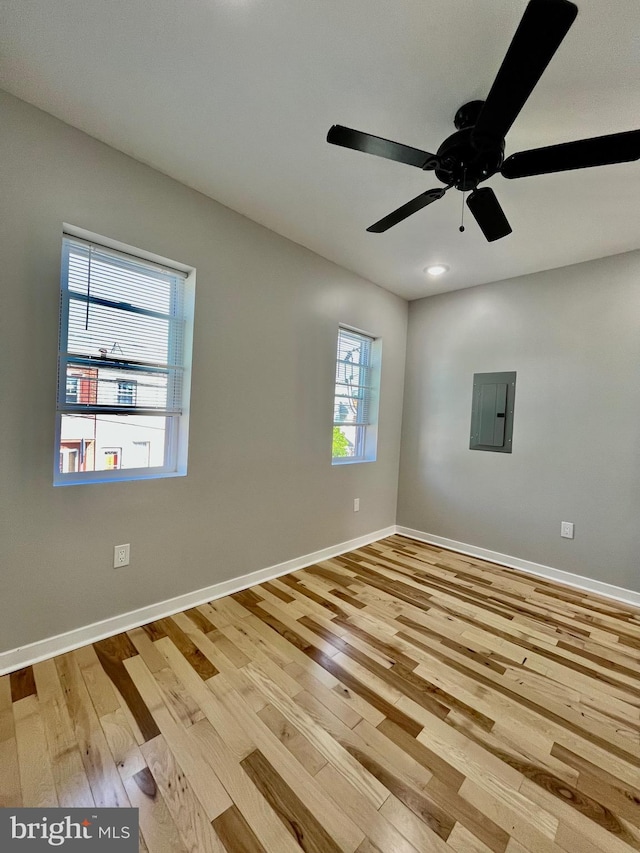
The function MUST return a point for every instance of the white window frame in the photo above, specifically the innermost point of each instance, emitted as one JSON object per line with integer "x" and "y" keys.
{"x": 366, "y": 431}
{"x": 177, "y": 422}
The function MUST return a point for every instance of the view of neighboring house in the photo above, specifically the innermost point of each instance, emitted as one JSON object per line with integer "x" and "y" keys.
{"x": 103, "y": 442}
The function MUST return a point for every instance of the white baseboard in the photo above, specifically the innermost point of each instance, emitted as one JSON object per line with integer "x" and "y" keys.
{"x": 70, "y": 640}
{"x": 608, "y": 590}
{"x": 50, "y": 647}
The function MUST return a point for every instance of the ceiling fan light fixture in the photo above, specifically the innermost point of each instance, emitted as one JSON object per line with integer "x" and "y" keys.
{"x": 436, "y": 269}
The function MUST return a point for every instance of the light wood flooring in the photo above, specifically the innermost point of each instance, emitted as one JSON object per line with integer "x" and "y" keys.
{"x": 397, "y": 699}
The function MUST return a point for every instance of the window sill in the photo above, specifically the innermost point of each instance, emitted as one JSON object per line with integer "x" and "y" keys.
{"x": 94, "y": 480}
{"x": 350, "y": 461}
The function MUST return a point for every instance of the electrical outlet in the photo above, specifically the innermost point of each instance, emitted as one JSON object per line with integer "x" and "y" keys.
{"x": 566, "y": 529}
{"x": 356, "y": 504}
{"x": 120, "y": 556}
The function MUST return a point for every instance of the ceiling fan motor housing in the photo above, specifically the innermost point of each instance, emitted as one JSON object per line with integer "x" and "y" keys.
{"x": 461, "y": 164}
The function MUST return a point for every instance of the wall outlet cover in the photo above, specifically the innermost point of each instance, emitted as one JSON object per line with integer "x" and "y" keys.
{"x": 120, "y": 556}
{"x": 566, "y": 529}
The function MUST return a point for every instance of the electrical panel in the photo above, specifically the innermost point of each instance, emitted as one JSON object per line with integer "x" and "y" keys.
{"x": 492, "y": 411}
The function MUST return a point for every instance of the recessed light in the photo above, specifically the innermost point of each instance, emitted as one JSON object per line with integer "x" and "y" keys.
{"x": 436, "y": 269}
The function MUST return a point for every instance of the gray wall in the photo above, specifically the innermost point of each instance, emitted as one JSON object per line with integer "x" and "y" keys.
{"x": 573, "y": 336}
{"x": 260, "y": 488}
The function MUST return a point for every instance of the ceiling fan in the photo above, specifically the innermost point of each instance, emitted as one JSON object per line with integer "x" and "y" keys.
{"x": 475, "y": 151}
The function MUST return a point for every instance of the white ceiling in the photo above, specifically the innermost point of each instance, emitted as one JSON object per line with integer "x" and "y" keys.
{"x": 235, "y": 98}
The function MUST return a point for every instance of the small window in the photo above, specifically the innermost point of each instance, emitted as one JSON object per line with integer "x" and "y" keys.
{"x": 355, "y": 399}
{"x": 123, "y": 366}
{"x": 127, "y": 393}
{"x": 72, "y": 389}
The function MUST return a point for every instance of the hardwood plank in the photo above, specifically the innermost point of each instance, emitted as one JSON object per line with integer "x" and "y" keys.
{"x": 142, "y": 844}
{"x": 420, "y": 803}
{"x": 106, "y": 786}
{"x": 390, "y": 647}
{"x": 200, "y": 620}
{"x": 402, "y": 680}
{"x": 440, "y": 768}
{"x": 335, "y": 703}
{"x": 534, "y": 828}
{"x": 418, "y": 833}
{"x": 10, "y": 789}
{"x": 244, "y": 639}
{"x": 7, "y": 729}
{"x": 368, "y": 846}
{"x": 349, "y": 599}
{"x": 279, "y": 593}
{"x": 223, "y": 662}
{"x": 304, "y": 588}
{"x": 341, "y": 674}
{"x": 235, "y": 833}
{"x": 337, "y": 823}
{"x": 276, "y": 643}
{"x": 570, "y": 840}
{"x": 555, "y": 712}
{"x": 36, "y": 775}
{"x": 186, "y": 647}
{"x": 364, "y": 739}
{"x": 311, "y": 836}
{"x": 112, "y": 653}
{"x": 255, "y": 810}
{"x": 126, "y": 753}
{"x": 479, "y": 825}
{"x": 373, "y": 822}
{"x": 605, "y": 828}
{"x": 297, "y": 744}
{"x": 147, "y": 649}
{"x": 70, "y": 778}
{"x": 154, "y": 631}
{"x": 228, "y": 650}
{"x": 205, "y": 783}
{"x": 181, "y": 703}
{"x": 101, "y": 689}
{"x": 10, "y": 793}
{"x": 156, "y": 824}
{"x": 332, "y": 750}
{"x": 592, "y": 780}
{"x": 184, "y": 807}
{"x": 210, "y": 698}
{"x": 22, "y": 684}
{"x": 462, "y": 841}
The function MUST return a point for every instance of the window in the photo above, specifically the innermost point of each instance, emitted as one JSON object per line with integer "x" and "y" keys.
{"x": 123, "y": 366}
{"x": 71, "y": 395}
{"x": 127, "y": 393}
{"x": 355, "y": 400}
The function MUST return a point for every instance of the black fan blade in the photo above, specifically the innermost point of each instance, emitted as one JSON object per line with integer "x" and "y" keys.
{"x": 582, "y": 154}
{"x": 488, "y": 214}
{"x": 407, "y": 209}
{"x": 348, "y": 138}
{"x": 543, "y": 26}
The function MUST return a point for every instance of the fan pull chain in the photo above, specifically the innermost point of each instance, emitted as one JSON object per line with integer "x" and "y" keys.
{"x": 464, "y": 181}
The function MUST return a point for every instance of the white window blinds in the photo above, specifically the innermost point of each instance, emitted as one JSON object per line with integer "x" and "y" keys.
{"x": 121, "y": 331}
